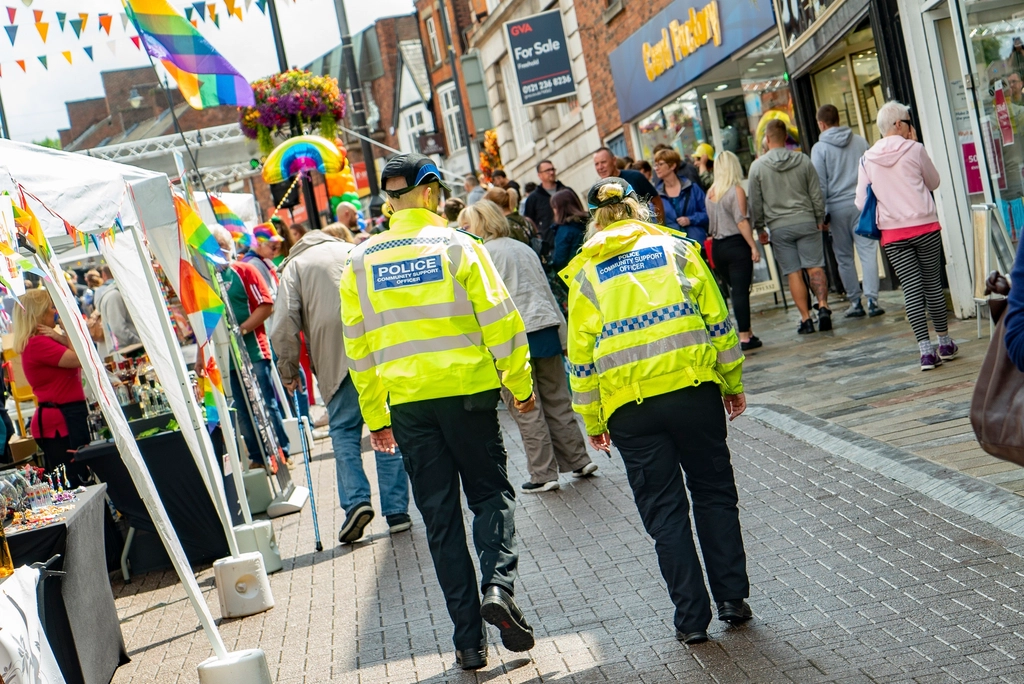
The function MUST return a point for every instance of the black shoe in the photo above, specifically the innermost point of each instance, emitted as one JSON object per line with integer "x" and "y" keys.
{"x": 472, "y": 658}
{"x": 856, "y": 310}
{"x": 538, "y": 487}
{"x": 824, "y": 319}
{"x": 874, "y": 309}
{"x": 500, "y": 610}
{"x": 692, "y": 637}
{"x": 355, "y": 523}
{"x": 399, "y": 522}
{"x": 752, "y": 343}
{"x": 806, "y": 328}
{"x": 734, "y": 612}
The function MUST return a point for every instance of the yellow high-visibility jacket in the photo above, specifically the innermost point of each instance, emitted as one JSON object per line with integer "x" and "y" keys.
{"x": 426, "y": 315}
{"x": 646, "y": 317}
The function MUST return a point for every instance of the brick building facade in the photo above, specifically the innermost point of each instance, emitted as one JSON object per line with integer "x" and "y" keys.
{"x": 603, "y": 25}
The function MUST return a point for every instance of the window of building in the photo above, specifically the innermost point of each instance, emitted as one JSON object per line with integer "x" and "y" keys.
{"x": 452, "y": 118}
{"x": 416, "y": 125}
{"x": 435, "y": 48}
{"x": 617, "y": 145}
{"x": 568, "y": 108}
{"x": 519, "y": 116}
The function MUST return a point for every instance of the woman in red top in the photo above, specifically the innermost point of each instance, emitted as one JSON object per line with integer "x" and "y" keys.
{"x": 52, "y": 368}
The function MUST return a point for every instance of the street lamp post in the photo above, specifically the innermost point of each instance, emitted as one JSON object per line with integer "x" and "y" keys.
{"x": 463, "y": 127}
{"x": 358, "y": 106}
{"x": 282, "y": 64}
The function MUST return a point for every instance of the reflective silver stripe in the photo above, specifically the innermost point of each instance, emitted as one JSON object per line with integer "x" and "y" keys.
{"x": 584, "y": 398}
{"x": 361, "y": 365}
{"x": 438, "y": 344}
{"x": 681, "y": 262}
{"x": 444, "y": 310}
{"x": 354, "y": 332}
{"x": 587, "y": 288}
{"x": 652, "y": 349}
{"x": 496, "y": 312}
{"x": 505, "y": 349}
{"x": 455, "y": 257}
{"x": 730, "y": 355}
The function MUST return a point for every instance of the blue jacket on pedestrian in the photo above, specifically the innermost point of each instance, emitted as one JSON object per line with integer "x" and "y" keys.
{"x": 1013, "y": 318}
{"x": 689, "y": 203}
{"x": 568, "y": 240}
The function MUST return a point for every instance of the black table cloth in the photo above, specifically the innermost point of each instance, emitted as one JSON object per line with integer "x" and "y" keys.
{"x": 78, "y": 610}
{"x": 182, "y": 491}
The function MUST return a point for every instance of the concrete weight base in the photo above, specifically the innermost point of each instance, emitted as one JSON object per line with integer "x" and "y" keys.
{"x": 248, "y": 666}
{"x": 259, "y": 537}
{"x": 292, "y": 503}
{"x": 242, "y": 585}
{"x": 257, "y": 489}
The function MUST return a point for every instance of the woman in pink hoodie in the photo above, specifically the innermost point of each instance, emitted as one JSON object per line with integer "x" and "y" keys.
{"x": 902, "y": 178}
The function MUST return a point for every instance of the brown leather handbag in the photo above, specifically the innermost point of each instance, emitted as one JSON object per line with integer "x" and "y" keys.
{"x": 997, "y": 407}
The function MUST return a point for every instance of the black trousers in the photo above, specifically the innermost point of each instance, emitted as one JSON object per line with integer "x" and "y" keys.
{"x": 685, "y": 428}
{"x": 444, "y": 441}
{"x": 736, "y": 269}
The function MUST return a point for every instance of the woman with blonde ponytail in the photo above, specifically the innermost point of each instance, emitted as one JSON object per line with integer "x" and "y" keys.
{"x": 653, "y": 359}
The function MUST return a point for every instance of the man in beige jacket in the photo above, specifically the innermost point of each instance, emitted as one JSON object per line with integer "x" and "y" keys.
{"x": 308, "y": 302}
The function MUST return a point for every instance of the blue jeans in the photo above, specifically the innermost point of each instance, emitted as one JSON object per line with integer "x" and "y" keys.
{"x": 261, "y": 368}
{"x": 346, "y": 430}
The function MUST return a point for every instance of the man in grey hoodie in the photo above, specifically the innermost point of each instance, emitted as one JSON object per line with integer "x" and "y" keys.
{"x": 785, "y": 197}
{"x": 309, "y": 302}
{"x": 836, "y": 156}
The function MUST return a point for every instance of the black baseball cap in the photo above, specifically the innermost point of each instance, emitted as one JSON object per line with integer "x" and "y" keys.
{"x": 415, "y": 169}
{"x": 623, "y": 190}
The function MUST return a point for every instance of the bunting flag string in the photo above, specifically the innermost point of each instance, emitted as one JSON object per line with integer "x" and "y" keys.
{"x": 67, "y": 55}
{"x": 12, "y": 32}
{"x": 43, "y": 29}
{"x": 42, "y": 60}
{"x": 84, "y": 16}
{"x": 138, "y": 42}
{"x": 200, "y": 8}
{"x": 11, "y": 12}
{"x": 76, "y": 26}
{"x": 21, "y": 63}
{"x": 61, "y": 18}
{"x": 88, "y": 52}
{"x": 105, "y": 20}
{"x": 124, "y": 21}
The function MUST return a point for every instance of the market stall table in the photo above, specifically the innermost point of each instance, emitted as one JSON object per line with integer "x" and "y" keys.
{"x": 78, "y": 610}
{"x": 182, "y": 491}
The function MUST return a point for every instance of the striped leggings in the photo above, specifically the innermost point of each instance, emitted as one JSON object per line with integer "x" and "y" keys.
{"x": 918, "y": 264}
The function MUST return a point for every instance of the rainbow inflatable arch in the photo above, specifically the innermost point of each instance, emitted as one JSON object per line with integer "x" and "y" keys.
{"x": 299, "y": 154}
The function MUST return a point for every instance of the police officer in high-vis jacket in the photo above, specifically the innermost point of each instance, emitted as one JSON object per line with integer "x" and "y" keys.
{"x": 653, "y": 356}
{"x": 429, "y": 328}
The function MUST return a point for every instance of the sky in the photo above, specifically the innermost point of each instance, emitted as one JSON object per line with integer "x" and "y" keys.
{"x": 34, "y": 99}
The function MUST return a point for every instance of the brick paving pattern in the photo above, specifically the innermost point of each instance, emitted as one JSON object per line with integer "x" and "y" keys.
{"x": 854, "y": 579}
{"x": 865, "y": 376}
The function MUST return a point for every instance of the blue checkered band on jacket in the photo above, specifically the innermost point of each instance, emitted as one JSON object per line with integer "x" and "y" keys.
{"x": 720, "y": 329}
{"x": 582, "y": 371}
{"x": 648, "y": 319}
{"x": 405, "y": 242}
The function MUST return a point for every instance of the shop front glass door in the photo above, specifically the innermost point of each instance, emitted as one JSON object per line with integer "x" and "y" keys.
{"x": 996, "y": 34}
{"x": 732, "y": 126}
{"x": 868, "y": 78}
{"x": 678, "y": 125}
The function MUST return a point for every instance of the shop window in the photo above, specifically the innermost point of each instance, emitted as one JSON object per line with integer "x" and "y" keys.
{"x": 796, "y": 17}
{"x": 677, "y": 124}
{"x": 998, "y": 51}
{"x": 832, "y": 86}
{"x": 868, "y": 77}
{"x": 452, "y": 117}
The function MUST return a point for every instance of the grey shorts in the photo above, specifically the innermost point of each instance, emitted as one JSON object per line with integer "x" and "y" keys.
{"x": 798, "y": 247}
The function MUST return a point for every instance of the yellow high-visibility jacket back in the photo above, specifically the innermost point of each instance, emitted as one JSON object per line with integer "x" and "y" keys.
{"x": 646, "y": 317}
{"x": 426, "y": 315}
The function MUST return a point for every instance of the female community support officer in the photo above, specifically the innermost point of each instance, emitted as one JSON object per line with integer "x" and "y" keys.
{"x": 653, "y": 356}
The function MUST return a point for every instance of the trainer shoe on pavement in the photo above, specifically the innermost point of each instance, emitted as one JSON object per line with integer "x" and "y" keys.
{"x": 856, "y": 310}
{"x": 355, "y": 523}
{"x": 824, "y": 319}
{"x": 585, "y": 471}
{"x": 399, "y": 522}
{"x": 874, "y": 309}
{"x": 691, "y": 638}
{"x": 752, "y": 343}
{"x": 538, "y": 487}
{"x": 499, "y": 609}
{"x": 806, "y": 327}
{"x": 930, "y": 361}
{"x": 948, "y": 352}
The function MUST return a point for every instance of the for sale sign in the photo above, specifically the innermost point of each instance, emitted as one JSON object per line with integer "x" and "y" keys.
{"x": 540, "y": 57}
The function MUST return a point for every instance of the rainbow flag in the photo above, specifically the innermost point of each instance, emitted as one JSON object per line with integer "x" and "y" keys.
{"x": 226, "y": 217}
{"x": 28, "y": 225}
{"x": 197, "y": 235}
{"x": 204, "y": 77}
{"x": 197, "y": 297}
{"x": 211, "y": 382}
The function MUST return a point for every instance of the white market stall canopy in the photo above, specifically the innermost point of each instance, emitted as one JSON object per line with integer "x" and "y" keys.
{"x": 242, "y": 204}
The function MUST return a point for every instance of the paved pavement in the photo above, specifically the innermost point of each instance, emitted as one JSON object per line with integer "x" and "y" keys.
{"x": 865, "y": 376}
{"x": 855, "y": 578}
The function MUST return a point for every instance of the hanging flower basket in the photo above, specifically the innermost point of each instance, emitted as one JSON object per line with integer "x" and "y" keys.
{"x": 315, "y": 100}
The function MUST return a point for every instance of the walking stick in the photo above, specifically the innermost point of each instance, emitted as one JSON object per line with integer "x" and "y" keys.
{"x": 303, "y": 423}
